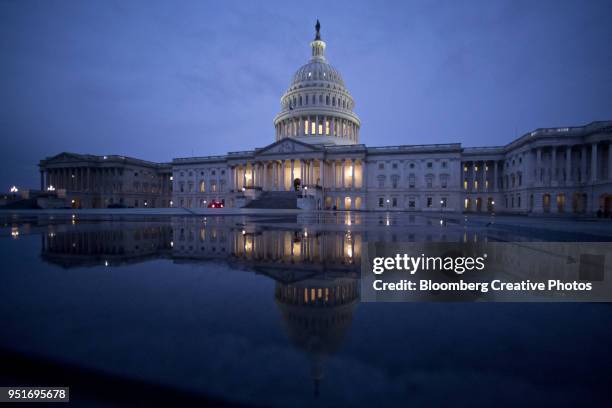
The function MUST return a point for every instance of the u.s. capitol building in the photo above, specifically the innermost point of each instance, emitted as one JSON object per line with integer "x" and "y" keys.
{"x": 317, "y": 162}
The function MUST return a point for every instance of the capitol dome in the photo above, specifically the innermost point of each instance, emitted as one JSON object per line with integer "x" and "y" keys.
{"x": 317, "y": 108}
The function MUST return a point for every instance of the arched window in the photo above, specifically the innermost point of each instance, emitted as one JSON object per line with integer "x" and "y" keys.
{"x": 300, "y": 100}
{"x": 327, "y": 100}
{"x": 333, "y": 101}
{"x": 321, "y": 99}
{"x": 202, "y": 186}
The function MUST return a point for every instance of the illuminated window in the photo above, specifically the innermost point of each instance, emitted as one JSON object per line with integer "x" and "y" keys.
{"x": 476, "y": 184}
{"x": 465, "y": 184}
{"x": 306, "y": 127}
{"x": 486, "y": 183}
{"x": 327, "y": 127}
{"x": 313, "y": 128}
{"x": 320, "y": 128}
{"x": 202, "y": 186}
{"x": 465, "y": 168}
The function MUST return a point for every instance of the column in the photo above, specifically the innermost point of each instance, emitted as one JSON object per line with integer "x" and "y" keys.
{"x": 495, "y": 181}
{"x": 282, "y": 170}
{"x": 538, "y": 165}
{"x": 594, "y": 162}
{"x": 335, "y": 177}
{"x": 274, "y": 175}
{"x": 583, "y": 164}
{"x": 332, "y": 126}
{"x": 244, "y": 172}
{"x": 292, "y": 174}
{"x": 264, "y": 176}
{"x": 554, "y": 165}
{"x": 353, "y": 174}
{"x": 568, "y": 166}
{"x": 342, "y": 181}
{"x": 311, "y": 179}
{"x": 322, "y": 171}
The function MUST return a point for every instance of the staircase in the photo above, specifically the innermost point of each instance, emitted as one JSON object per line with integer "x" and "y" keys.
{"x": 275, "y": 200}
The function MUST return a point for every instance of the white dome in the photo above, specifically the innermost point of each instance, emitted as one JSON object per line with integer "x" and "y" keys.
{"x": 317, "y": 70}
{"x": 317, "y": 107}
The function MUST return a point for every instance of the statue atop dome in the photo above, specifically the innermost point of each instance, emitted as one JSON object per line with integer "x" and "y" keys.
{"x": 318, "y": 28}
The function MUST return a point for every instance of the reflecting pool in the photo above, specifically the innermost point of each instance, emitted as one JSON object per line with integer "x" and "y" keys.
{"x": 266, "y": 311}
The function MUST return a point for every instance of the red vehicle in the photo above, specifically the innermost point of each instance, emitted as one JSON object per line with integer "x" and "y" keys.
{"x": 215, "y": 204}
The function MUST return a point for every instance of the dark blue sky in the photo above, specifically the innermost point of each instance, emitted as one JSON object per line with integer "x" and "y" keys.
{"x": 158, "y": 80}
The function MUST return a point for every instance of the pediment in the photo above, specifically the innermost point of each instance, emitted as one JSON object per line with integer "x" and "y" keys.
{"x": 65, "y": 157}
{"x": 287, "y": 145}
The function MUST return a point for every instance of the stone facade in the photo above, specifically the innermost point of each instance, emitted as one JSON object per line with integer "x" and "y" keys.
{"x": 317, "y": 155}
{"x": 87, "y": 181}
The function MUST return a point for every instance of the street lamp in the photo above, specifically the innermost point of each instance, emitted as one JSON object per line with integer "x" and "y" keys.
{"x": 51, "y": 188}
{"x": 14, "y": 189}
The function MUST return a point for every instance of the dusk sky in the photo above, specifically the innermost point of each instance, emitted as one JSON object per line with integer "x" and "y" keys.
{"x": 158, "y": 80}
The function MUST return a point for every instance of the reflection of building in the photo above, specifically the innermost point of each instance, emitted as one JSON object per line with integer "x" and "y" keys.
{"x": 317, "y": 152}
{"x": 82, "y": 246}
{"x": 317, "y": 313}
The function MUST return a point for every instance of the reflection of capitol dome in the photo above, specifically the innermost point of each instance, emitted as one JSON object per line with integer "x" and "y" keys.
{"x": 317, "y": 107}
{"x": 317, "y": 315}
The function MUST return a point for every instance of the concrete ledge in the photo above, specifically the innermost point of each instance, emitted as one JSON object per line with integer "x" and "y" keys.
{"x": 151, "y": 211}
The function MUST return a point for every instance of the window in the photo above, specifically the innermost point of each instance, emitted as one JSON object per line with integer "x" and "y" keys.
{"x": 411, "y": 181}
{"x": 412, "y": 165}
{"x": 394, "y": 181}
{"x": 476, "y": 184}
{"x": 182, "y": 187}
{"x": 394, "y": 166}
{"x": 444, "y": 180}
{"x": 190, "y": 187}
{"x": 443, "y": 165}
{"x": 213, "y": 172}
{"x": 411, "y": 204}
{"x": 381, "y": 166}
{"x": 202, "y": 186}
{"x": 381, "y": 202}
{"x": 443, "y": 202}
{"x": 381, "y": 181}
{"x": 429, "y": 181}
{"x": 429, "y": 165}
{"x": 465, "y": 184}
{"x": 429, "y": 202}
{"x": 465, "y": 169}
{"x": 394, "y": 202}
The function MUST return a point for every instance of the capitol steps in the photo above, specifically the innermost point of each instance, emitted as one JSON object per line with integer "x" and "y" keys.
{"x": 275, "y": 200}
